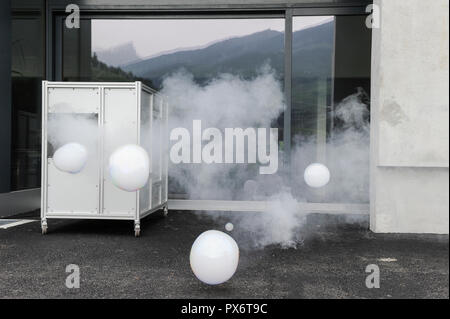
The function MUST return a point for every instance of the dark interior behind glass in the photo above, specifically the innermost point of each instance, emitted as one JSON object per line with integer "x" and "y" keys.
{"x": 27, "y": 72}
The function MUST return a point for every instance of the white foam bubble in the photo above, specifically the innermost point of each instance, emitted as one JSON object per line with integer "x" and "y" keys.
{"x": 70, "y": 158}
{"x": 317, "y": 175}
{"x": 129, "y": 167}
{"x": 214, "y": 257}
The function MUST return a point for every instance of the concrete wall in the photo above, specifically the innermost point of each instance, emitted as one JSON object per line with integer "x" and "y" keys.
{"x": 410, "y": 124}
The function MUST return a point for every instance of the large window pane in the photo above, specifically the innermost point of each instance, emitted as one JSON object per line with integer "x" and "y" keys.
{"x": 206, "y": 49}
{"x": 27, "y": 72}
{"x": 330, "y": 106}
{"x": 152, "y": 49}
{"x": 312, "y": 72}
{"x": 330, "y": 65}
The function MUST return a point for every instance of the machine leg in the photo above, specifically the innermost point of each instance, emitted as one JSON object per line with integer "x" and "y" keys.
{"x": 137, "y": 228}
{"x": 165, "y": 211}
{"x": 44, "y": 226}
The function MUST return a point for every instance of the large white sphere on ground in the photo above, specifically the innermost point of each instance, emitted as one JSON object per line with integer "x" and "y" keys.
{"x": 214, "y": 257}
{"x": 70, "y": 158}
{"x": 317, "y": 175}
{"x": 129, "y": 167}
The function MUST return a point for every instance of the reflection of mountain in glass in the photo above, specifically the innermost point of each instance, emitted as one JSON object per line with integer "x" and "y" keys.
{"x": 101, "y": 72}
{"x": 245, "y": 55}
{"x": 312, "y": 51}
{"x": 311, "y": 69}
{"x": 118, "y": 56}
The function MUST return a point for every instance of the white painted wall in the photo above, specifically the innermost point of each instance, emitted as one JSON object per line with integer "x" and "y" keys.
{"x": 410, "y": 117}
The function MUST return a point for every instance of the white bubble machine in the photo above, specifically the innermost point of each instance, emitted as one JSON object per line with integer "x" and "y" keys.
{"x": 121, "y": 114}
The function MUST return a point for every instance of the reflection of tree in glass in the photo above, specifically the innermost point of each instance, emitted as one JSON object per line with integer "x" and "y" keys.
{"x": 102, "y": 72}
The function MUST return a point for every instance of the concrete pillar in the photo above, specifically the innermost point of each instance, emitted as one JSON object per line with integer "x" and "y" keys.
{"x": 410, "y": 118}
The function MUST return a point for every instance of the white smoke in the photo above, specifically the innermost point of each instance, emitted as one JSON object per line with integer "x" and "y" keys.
{"x": 232, "y": 101}
{"x": 227, "y": 101}
{"x": 347, "y": 154}
{"x": 63, "y": 128}
{"x": 279, "y": 224}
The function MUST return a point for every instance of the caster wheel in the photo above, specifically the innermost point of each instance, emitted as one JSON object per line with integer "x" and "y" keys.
{"x": 137, "y": 230}
{"x": 165, "y": 211}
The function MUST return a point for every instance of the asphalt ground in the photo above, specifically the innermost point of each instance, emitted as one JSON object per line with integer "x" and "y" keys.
{"x": 330, "y": 263}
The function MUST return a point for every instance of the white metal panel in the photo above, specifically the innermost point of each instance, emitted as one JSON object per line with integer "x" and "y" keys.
{"x": 73, "y": 193}
{"x": 165, "y": 153}
{"x": 157, "y": 142}
{"x": 73, "y": 100}
{"x": 44, "y": 161}
{"x": 156, "y": 151}
{"x": 156, "y": 194}
{"x": 120, "y": 128}
{"x": 124, "y": 115}
{"x": 146, "y": 143}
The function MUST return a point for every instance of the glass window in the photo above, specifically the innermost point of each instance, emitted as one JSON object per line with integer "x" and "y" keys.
{"x": 330, "y": 106}
{"x": 312, "y": 77}
{"x": 27, "y": 72}
{"x": 330, "y": 89}
{"x": 205, "y": 49}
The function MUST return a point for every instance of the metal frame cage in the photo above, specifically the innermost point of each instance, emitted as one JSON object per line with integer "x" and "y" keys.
{"x": 124, "y": 113}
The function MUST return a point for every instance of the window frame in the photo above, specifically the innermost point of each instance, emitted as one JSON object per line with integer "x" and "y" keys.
{"x": 96, "y": 9}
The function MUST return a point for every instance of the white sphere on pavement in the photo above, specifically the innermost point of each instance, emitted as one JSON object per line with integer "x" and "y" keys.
{"x": 214, "y": 257}
{"x": 229, "y": 226}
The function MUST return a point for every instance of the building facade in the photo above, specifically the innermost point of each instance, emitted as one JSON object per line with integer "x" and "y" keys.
{"x": 400, "y": 61}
